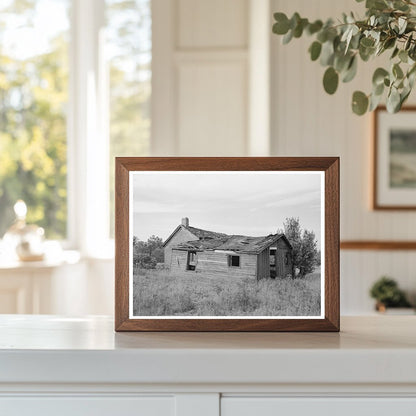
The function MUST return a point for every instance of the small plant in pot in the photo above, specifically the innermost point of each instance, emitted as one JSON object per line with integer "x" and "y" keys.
{"x": 387, "y": 294}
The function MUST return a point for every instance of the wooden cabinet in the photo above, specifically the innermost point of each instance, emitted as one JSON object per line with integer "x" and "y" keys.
{"x": 88, "y": 406}
{"x": 79, "y": 366}
{"x": 322, "y": 406}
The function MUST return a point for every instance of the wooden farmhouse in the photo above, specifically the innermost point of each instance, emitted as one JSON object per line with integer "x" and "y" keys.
{"x": 216, "y": 254}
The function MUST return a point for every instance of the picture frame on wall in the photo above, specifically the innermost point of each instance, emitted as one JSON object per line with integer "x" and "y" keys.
{"x": 227, "y": 244}
{"x": 394, "y": 165}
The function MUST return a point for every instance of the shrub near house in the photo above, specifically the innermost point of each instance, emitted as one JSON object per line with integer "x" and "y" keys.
{"x": 147, "y": 254}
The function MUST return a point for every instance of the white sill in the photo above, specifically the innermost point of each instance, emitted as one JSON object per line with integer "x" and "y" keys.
{"x": 58, "y": 254}
{"x": 65, "y": 257}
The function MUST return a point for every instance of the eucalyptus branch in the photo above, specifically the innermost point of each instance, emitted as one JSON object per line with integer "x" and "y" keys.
{"x": 388, "y": 25}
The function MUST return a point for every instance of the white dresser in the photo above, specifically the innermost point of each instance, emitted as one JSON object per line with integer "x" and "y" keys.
{"x": 52, "y": 365}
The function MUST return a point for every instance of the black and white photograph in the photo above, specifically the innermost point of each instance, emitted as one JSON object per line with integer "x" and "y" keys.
{"x": 226, "y": 244}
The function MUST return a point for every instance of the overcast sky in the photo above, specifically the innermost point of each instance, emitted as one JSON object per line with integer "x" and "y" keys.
{"x": 246, "y": 203}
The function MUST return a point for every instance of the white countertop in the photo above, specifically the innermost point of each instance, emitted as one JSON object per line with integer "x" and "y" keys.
{"x": 53, "y": 349}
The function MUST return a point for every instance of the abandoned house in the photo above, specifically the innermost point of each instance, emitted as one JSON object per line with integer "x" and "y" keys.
{"x": 217, "y": 254}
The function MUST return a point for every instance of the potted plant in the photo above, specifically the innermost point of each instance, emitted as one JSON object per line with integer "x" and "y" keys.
{"x": 387, "y": 294}
{"x": 389, "y": 27}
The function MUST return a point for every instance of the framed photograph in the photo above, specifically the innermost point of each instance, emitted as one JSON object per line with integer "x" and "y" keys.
{"x": 227, "y": 244}
{"x": 394, "y": 179}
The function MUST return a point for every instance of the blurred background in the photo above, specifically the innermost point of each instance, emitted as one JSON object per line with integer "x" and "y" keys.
{"x": 83, "y": 81}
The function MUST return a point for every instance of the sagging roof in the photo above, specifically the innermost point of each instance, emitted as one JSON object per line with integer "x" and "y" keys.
{"x": 209, "y": 240}
{"x": 204, "y": 234}
{"x": 197, "y": 232}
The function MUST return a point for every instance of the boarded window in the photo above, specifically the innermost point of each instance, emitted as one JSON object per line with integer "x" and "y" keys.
{"x": 191, "y": 263}
{"x": 234, "y": 261}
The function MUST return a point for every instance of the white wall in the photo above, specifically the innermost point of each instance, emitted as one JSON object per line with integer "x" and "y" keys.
{"x": 308, "y": 122}
{"x": 200, "y": 77}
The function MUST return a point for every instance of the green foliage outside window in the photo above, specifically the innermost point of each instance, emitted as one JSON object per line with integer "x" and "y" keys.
{"x": 129, "y": 41}
{"x": 34, "y": 103}
{"x": 33, "y": 99}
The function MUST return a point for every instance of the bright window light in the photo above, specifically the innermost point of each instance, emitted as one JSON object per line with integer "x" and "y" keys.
{"x": 129, "y": 52}
{"x": 33, "y": 101}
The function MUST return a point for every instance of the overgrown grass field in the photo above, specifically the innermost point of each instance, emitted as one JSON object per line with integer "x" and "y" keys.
{"x": 159, "y": 293}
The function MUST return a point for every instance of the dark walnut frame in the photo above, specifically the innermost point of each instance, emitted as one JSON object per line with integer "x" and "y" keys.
{"x": 330, "y": 165}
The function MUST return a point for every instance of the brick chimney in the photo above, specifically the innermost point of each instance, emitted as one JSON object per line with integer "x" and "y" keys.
{"x": 185, "y": 222}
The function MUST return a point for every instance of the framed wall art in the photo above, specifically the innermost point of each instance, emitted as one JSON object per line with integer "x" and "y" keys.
{"x": 394, "y": 177}
{"x": 227, "y": 244}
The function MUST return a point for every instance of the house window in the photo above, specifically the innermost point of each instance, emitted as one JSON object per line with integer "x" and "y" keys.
{"x": 233, "y": 261}
{"x": 287, "y": 259}
{"x": 191, "y": 263}
{"x": 60, "y": 133}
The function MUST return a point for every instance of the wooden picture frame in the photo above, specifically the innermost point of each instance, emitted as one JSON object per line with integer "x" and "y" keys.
{"x": 391, "y": 189}
{"x": 128, "y": 168}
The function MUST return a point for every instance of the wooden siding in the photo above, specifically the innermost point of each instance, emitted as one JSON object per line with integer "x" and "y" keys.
{"x": 178, "y": 261}
{"x": 181, "y": 236}
{"x": 215, "y": 264}
{"x": 263, "y": 264}
{"x": 282, "y": 269}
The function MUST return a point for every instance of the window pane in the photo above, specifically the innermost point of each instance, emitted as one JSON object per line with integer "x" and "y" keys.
{"x": 129, "y": 46}
{"x": 33, "y": 100}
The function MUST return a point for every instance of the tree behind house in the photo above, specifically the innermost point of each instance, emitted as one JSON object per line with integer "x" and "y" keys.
{"x": 305, "y": 255}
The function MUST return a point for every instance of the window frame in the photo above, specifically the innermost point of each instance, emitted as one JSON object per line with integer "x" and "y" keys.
{"x": 191, "y": 260}
{"x": 230, "y": 260}
{"x": 87, "y": 132}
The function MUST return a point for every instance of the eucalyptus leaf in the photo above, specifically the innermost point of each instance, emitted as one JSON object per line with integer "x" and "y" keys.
{"x": 376, "y": 4}
{"x": 350, "y": 73}
{"x": 330, "y": 80}
{"x": 378, "y": 89}
{"x": 400, "y": 5}
{"x": 374, "y": 102}
{"x": 402, "y": 22}
{"x": 314, "y": 27}
{"x": 389, "y": 43}
{"x": 281, "y": 27}
{"x": 411, "y": 78}
{"x": 408, "y": 42}
{"x": 288, "y": 37}
{"x": 298, "y": 30}
{"x": 367, "y": 42}
{"x": 403, "y": 56}
{"x": 294, "y": 20}
{"x": 366, "y": 53}
{"x": 359, "y": 103}
{"x": 395, "y": 52}
{"x": 404, "y": 96}
{"x": 327, "y": 54}
{"x": 315, "y": 50}
{"x": 397, "y": 71}
{"x": 341, "y": 62}
{"x": 379, "y": 75}
{"x": 393, "y": 101}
